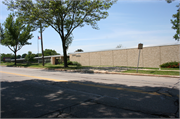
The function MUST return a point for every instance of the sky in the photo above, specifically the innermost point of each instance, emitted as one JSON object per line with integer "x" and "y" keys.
{"x": 129, "y": 23}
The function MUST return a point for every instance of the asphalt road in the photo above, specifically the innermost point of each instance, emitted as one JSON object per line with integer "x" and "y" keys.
{"x": 40, "y": 93}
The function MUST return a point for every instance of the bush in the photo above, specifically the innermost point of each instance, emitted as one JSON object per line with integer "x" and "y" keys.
{"x": 72, "y": 63}
{"x": 76, "y": 63}
{"x": 69, "y": 63}
{"x": 170, "y": 65}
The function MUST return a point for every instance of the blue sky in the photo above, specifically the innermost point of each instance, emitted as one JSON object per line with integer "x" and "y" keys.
{"x": 129, "y": 23}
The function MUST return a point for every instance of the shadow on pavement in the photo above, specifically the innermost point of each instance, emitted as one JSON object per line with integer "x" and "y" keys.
{"x": 85, "y": 99}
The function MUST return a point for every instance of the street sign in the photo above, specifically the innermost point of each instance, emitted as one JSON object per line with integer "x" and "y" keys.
{"x": 140, "y": 46}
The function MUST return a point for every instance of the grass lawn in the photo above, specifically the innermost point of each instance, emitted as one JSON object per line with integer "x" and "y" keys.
{"x": 153, "y": 72}
{"x": 36, "y": 65}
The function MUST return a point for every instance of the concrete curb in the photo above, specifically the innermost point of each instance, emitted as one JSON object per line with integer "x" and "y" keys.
{"x": 101, "y": 72}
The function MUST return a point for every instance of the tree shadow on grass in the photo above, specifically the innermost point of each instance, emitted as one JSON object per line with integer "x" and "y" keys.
{"x": 83, "y": 99}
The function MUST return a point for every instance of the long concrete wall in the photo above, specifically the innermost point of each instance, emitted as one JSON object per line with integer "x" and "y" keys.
{"x": 149, "y": 56}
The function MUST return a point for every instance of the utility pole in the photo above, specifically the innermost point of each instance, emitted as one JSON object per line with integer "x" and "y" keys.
{"x": 42, "y": 44}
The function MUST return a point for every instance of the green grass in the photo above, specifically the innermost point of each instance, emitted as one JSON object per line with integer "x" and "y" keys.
{"x": 36, "y": 65}
{"x": 153, "y": 72}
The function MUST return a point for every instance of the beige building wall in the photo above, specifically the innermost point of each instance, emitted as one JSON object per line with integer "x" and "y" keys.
{"x": 73, "y": 57}
{"x": 53, "y": 60}
{"x": 133, "y": 55}
{"x": 149, "y": 57}
{"x": 84, "y": 59}
{"x": 106, "y": 58}
{"x": 95, "y": 58}
{"x": 170, "y": 53}
{"x": 120, "y": 57}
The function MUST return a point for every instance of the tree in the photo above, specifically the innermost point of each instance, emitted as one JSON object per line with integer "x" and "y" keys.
{"x": 176, "y": 25}
{"x": 63, "y": 16}
{"x": 5, "y": 55}
{"x": 18, "y": 56}
{"x": 175, "y": 22}
{"x": 48, "y": 52}
{"x": 29, "y": 57}
{"x": 119, "y": 46}
{"x": 169, "y": 1}
{"x": 16, "y": 34}
{"x": 79, "y": 50}
{"x": 1, "y": 33}
{"x": 24, "y": 55}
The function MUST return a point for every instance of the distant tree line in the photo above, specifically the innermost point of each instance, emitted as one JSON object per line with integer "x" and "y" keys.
{"x": 47, "y": 52}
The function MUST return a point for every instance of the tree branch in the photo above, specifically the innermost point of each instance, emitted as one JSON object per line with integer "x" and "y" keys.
{"x": 10, "y": 48}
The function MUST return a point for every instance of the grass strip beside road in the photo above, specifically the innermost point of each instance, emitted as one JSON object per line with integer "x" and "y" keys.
{"x": 154, "y": 72}
{"x": 39, "y": 65}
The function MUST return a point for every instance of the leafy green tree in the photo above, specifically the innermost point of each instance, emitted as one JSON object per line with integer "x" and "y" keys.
{"x": 79, "y": 50}
{"x": 175, "y": 22}
{"x": 18, "y": 56}
{"x": 36, "y": 55}
{"x": 24, "y": 55}
{"x": 48, "y": 52}
{"x": 29, "y": 57}
{"x": 176, "y": 25}
{"x": 16, "y": 34}
{"x": 63, "y": 16}
{"x": 169, "y": 1}
{"x": 7, "y": 55}
{"x": 12, "y": 56}
{"x": 1, "y": 33}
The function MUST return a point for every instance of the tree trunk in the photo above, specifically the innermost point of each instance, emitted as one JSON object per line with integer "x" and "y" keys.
{"x": 42, "y": 45}
{"x": 15, "y": 57}
{"x": 65, "y": 54}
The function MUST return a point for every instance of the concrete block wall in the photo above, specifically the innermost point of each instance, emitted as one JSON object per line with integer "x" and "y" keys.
{"x": 170, "y": 53}
{"x": 133, "y": 55}
{"x": 95, "y": 59}
{"x": 120, "y": 57}
{"x": 149, "y": 56}
{"x": 84, "y": 59}
{"x": 106, "y": 58}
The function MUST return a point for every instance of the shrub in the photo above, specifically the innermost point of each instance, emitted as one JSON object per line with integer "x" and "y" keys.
{"x": 72, "y": 63}
{"x": 170, "y": 65}
{"x": 69, "y": 62}
{"x": 76, "y": 63}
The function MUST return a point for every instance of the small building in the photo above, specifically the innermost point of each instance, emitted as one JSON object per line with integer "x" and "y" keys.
{"x": 6, "y": 59}
{"x": 53, "y": 59}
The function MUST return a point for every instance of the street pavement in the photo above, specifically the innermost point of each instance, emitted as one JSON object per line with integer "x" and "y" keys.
{"x": 29, "y": 93}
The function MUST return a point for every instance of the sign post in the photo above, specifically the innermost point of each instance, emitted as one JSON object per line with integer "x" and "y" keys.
{"x": 140, "y": 46}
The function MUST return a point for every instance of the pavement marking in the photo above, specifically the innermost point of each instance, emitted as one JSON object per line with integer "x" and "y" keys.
{"x": 93, "y": 85}
{"x": 125, "y": 89}
{"x": 35, "y": 77}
